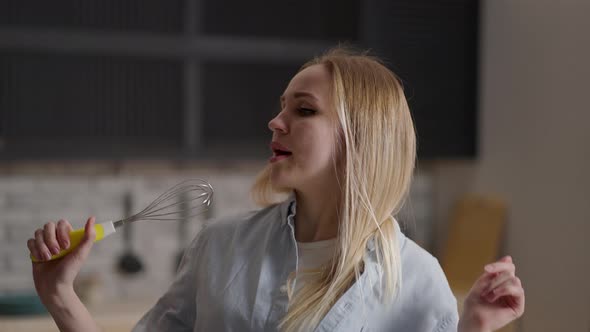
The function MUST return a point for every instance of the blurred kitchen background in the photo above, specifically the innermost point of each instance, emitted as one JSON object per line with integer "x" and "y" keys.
{"x": 106, "y": 103}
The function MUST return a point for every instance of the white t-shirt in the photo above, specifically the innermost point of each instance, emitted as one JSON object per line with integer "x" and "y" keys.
{"x": 311, "y": 256}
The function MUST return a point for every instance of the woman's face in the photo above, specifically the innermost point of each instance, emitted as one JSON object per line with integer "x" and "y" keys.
{"x": 303, "y": 137}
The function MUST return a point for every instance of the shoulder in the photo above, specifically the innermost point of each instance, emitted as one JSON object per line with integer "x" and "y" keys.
{"x": 424, "y": 287}
{"x": 424, "y": 301}
{"x": 420, "y": 268}
{"x": 240, "y": 226}
{"x": 244, "y": 221}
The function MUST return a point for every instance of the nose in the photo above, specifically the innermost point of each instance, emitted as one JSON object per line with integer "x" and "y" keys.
{"x": 278, "y": 124}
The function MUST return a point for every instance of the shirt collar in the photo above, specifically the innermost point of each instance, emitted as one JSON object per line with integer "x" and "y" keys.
{"x": 289, "y": 210}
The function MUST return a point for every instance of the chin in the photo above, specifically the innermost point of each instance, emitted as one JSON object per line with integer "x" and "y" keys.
{"x": 280, "y": 182}
{"x": 281, "y": 186}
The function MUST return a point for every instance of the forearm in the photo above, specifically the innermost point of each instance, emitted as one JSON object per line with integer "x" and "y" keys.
{"x": 69, "y": 313}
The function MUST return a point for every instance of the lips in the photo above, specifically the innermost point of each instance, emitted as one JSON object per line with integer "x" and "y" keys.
{"x": 279, "y": 149}
{"x": 279, "y": 152}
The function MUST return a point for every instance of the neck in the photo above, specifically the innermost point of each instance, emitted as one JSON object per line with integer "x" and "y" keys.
{"x": 316, "y": 218}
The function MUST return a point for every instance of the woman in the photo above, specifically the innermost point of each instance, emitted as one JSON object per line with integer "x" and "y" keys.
{"x": 327, "y": 257}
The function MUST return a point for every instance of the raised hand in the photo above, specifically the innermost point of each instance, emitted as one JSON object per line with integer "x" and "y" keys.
{"x": 52, "y": 276}
{"x": 496, "y": 298}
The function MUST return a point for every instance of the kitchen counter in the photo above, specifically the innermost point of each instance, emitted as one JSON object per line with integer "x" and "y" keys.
{"x": 111, "y": 317}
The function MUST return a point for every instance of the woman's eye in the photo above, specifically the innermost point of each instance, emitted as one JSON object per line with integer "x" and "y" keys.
{"x": 306, "y": 111}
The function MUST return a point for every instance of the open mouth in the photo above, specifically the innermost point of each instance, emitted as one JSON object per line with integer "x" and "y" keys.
{"x": 279, "y": 152}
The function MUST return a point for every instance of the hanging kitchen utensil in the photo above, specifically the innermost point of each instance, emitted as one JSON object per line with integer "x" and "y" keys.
{"x": 129, "y": 262}
{"x": 182, "y": 232}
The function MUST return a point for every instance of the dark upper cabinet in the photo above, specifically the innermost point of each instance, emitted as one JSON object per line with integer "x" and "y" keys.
{"x": 62, "y": 106}
{"x": 324, "y": 20}
{"x": 239, "y": 100}
{"x": 140, "y": 16}
{"x": 433, "y": 46}
{"x": 139, "y": 78}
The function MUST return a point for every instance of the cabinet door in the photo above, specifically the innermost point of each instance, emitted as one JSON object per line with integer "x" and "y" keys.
{"x": 432, "y": 46}
{"x": 239, "y": 101}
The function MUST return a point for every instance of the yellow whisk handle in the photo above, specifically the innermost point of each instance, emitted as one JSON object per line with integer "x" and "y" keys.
{"x": 102, "y": 230}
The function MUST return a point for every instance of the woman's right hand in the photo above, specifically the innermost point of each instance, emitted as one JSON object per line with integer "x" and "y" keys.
{"x": 53, "y": 277}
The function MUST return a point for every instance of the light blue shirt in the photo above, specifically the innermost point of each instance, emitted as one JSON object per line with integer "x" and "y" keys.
{"x": 232, "y": 275}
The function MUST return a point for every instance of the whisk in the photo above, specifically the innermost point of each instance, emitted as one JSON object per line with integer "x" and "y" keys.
{"x": 187, "y": 198}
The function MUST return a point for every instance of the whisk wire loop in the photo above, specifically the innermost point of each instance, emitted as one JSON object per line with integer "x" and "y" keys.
{"x": 186, "y": 199}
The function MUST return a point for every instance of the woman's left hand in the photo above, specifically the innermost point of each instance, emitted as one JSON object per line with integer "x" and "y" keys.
{"x": 496, "y": 298}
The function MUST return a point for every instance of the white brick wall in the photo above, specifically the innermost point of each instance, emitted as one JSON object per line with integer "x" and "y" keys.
{"x": 27, "y": 202}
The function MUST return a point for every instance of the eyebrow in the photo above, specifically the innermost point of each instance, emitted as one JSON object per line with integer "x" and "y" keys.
{"x": 300, "y": 94}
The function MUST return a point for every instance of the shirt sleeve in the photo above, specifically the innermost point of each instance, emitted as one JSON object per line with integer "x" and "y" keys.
{"x": 426, "y": 301}
{"x": 175, "y": 310}
{"x": 448, "y": 323}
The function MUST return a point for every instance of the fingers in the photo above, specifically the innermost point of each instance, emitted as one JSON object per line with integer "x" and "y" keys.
{"x": 89, "y": 235}
{"x": 33, "y": 249}
{"x": 42, "y": 250}
{"x": 498, "y": 279}
{"x": 482, "y": 283}
{"x": 491, "y": 292}
{"x": 50, "y": 238}
{"x": 507, "y": 259}
{"x": 63, "y": 233}
{"x": 503, "y": 283}
{"x": 89, "y": 232}
{"x": 504, "y": 264}
{"x": 510, "y": 289}
{"x": 495, "y": 273}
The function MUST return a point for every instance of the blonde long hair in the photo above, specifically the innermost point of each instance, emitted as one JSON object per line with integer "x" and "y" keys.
{"x": 378, "y": 150}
